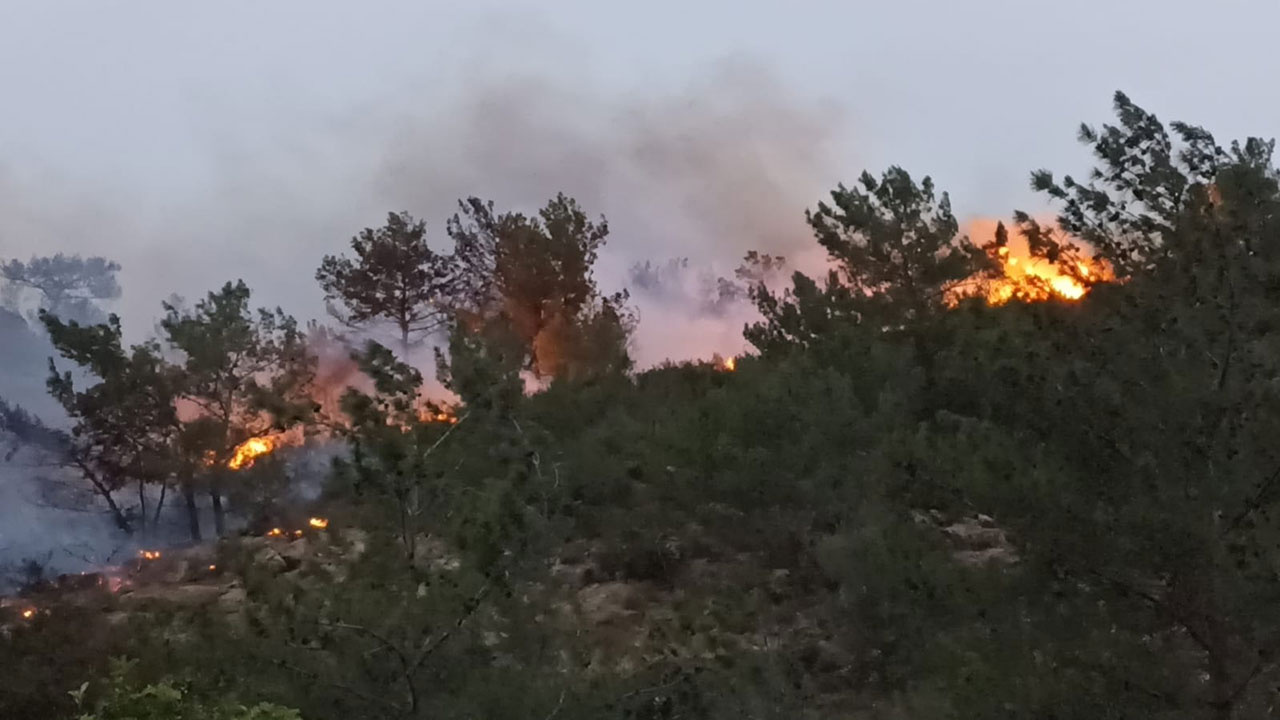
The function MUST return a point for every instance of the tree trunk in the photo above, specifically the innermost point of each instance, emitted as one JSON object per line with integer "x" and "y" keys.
{"x": 193, "y": 512}
{"x": 142, "y": 506}
{"x": 155, "y": 518}
{"x": 219, "y": 515}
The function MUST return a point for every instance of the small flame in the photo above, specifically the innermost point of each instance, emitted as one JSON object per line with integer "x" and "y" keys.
{"x": 28, "y": 613}
{"x": 427, "y": 416}
{"x": 297, "y": 533}
{"x": 149, "y": 554}
{"x": 275, "y": 532}
{"x": 318, "y": 523}
{"x": 212, "y": 568}
{"x": 250, "y": 449}
{"x": 724, "y": 364}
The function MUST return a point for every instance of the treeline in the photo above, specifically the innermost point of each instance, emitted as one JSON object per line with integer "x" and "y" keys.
{"x": 912, "y": 502}
{"x": 171, "y": 412}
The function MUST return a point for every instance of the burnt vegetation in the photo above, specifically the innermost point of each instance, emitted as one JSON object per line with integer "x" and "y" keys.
{"x": 937, "y": 488}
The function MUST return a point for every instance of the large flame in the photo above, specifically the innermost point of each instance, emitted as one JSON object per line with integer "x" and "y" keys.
{"x": 249, "y": 450}
{"x": 1035, "y": 279}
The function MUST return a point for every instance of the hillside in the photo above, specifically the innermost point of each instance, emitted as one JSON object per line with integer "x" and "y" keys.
{"x": 1020, "y": 476}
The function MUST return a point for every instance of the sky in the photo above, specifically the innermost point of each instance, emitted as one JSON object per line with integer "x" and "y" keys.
{"x": 199, "y": 143}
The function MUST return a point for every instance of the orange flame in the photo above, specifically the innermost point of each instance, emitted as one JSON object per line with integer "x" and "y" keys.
{"x": 1035, "y": 279}
{"x": 28, "y": 613}
{"x": 149, "y": 554}
{"x": 275, "y": 532}
{"x": 723, "y": 364}
{"x": 249, "y": 450}
{"x": 318, "y": 523}
{"x": 427, "y": 416}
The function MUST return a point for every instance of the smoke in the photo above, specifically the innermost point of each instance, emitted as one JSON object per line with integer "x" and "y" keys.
{"x": 723, "y": 165}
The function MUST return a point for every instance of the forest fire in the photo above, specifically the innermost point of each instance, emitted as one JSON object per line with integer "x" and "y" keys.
{"x": 250, "y": 450}
{"x": 318, "y": 523}
{"x": 439, "y": 416}
{"x": 1036, "y": 279}
{"x": 724, "y": 364}
{"x": 1029, "y": 278}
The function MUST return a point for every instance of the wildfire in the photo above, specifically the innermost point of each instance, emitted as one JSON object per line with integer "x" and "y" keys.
{"x": 427, "y": 416}
{"x": 149, "y": 554}
{"x": 249, "y": 450}
{"x": 724, "y": 364}
{"x": 1035, "y": 279}
{"x": 275, "y": 532}
{"x": 28, "y": 613}
{"x": 318, "y": 523}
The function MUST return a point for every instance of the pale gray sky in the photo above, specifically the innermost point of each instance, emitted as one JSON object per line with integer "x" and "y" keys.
{"x": 198, "y": 142}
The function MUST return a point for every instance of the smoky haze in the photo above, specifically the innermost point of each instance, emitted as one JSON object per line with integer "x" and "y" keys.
{"x": 725, "y": 164}
{"x": 707, "y": 171}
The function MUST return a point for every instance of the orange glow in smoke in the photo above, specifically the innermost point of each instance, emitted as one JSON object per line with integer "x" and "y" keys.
{"x": 318, "y": 523}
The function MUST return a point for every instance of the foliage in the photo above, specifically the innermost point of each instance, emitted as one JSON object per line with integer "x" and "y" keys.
{"x": 534, "y": 275}
{"x": 898, "y": 256}
{"x": 125, "y": 423}
{"x": 244, "y": 375}
{"x": 123, "y": 699}
{"x": 395, "y": 277}
{"x": 69, "y": 286}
